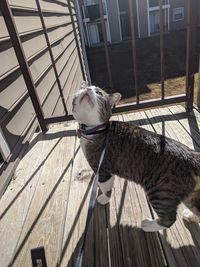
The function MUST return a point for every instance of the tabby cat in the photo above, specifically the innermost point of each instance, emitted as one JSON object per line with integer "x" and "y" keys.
{"x": 168, "y": 171}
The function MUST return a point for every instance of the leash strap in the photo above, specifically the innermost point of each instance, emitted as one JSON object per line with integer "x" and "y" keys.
{"x": 79, "y": 259}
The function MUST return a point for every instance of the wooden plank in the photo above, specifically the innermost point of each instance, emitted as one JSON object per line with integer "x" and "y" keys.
{"x": 77, "y": 210}
{"x": 113, "y": 211}
{"x": 45, "y": 218}
{"x": 178, "y": 238}
{"x": 15, "y": 202}
{"x": 190, "y": 122}
{"x": 151, "y": 246}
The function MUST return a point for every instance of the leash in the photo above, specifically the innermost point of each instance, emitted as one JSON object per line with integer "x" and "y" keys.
{"x": 79, "y": 258}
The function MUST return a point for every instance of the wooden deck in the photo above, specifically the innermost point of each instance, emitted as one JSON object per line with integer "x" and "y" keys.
{"x": 46, "y": 205}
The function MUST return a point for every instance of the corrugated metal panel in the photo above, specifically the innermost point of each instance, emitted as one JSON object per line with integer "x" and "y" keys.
{"x": 17, "y": 116}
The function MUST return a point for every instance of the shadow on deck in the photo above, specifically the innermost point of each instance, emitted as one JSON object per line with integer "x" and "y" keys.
{"x": 47, "y": 199}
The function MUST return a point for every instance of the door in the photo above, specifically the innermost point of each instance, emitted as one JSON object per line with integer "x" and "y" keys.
{"x": 93, "y": 34}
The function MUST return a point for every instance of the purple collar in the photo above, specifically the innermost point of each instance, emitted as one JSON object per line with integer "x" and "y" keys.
{"x": 85, "y": 133}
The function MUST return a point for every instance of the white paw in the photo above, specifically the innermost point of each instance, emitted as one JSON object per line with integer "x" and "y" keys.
{"x": 189, "y": 216}
{"x": 150, "y": 225}
{"x": 103, "y": 199}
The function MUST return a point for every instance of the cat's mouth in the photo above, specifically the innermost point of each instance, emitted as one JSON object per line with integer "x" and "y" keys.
{"x": 86, "y": 97}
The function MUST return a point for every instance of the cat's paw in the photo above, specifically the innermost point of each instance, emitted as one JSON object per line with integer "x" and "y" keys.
{"x": 103, "y": 199}
{"x": 150, "y": 225}
{"x": 189, "y": 216}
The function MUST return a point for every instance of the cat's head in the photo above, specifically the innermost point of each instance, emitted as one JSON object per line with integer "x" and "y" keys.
{"x": 92, "y": 106}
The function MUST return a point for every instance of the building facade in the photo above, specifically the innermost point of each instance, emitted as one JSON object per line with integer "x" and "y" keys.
{"x": 18, "y": 119}
{"x": 117, "y": 18}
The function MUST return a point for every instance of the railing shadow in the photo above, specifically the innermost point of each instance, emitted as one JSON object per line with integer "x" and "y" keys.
{"x": 134, "y": 247}
{"x": 39, "y": 137}
{"x": 19, "y": 248}
{"x": 192, "y": 122}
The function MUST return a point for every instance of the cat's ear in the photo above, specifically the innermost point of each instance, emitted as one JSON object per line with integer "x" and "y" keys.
{"x": 114, "y": 99}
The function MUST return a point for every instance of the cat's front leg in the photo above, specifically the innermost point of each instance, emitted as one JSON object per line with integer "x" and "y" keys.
{"x": 106, "y": 188}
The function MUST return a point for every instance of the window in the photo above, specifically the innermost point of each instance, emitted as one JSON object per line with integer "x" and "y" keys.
{"x": 155, "y": 3}
{"x": 178, "y": 13}
{"x": 90, "y": 2}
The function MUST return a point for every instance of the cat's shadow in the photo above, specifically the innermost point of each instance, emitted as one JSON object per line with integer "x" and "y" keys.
{"x": 131, "y": 246}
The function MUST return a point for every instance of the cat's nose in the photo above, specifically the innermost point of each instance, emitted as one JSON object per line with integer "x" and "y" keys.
{"x": 89, "y": 89}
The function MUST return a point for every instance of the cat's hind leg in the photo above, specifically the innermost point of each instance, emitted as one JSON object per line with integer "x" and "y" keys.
{"x": 106, "y": 188}
{"x": 166, "y": 209}
{"x": 164, "y": 221}
{"x": 192, "y": 213}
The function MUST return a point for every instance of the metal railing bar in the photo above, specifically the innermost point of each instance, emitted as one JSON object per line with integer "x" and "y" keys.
{"x": 162, "y": 71}
{"x": 105, "y": 41}
{"x": 59, "y": 119}
{"x": 76, "y": 40}
{"x": 17, "y": 45}
{"x": 134, "y": 53}
{"x": 191, "y": 50}
{"x": 43, "y": 74}
{"x": 75, "y": 87}
{"x": 198, "y": 91}
{"x": 24, "y": 96}
{"x": 50, "y": 90}
{"x": 57, "y": 57}
{"x": 81, "y": 37}
{"x": 150, "y": 103}
{"x": 65, "y": 84}
{"x": 10, "y": 72}
{"x": 54, "y": 119}
{"x": 73, "y": 78}
{"x": 51, "y": 56}
{"x": 69, "y": 72}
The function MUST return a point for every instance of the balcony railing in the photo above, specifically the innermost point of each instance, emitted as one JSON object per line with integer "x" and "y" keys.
{"x": 190, "y": 68}
{"x": 190, "y": 60}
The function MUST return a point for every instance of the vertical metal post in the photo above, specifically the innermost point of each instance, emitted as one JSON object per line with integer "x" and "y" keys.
{"x": 105, "y": 43}
{"x": 162, "y": 71}
{"x": 191, "y": 49}
{"x": 51, "y": 55}
{"x": 134, "y": 53}
{"x": 15, "y": 39}
{"x": 80, "y": 22}
{"x": 76, "y": 40}
{"x": 198, "y": 93}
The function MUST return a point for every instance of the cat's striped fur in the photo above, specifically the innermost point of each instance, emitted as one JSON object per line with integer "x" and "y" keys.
{"x": 167, "y": 170}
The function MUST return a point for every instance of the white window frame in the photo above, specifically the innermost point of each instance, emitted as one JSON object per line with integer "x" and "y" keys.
{"x": 178, "y": 8}
{"x": 90, "y": 2}
{"x": 156, "y": 8}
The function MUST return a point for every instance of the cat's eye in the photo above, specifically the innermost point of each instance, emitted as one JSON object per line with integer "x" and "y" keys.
{"x": 99, "y": 93}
